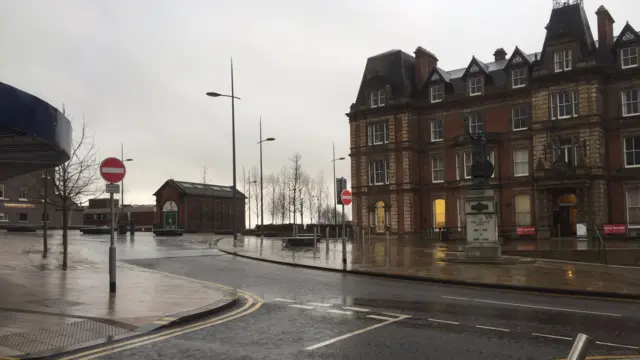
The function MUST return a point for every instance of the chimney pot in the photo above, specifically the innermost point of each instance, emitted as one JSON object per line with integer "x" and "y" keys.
{"x": 425, "y": 62}
{"x": 500, "y": 54}
{"x": 605, "y": 27}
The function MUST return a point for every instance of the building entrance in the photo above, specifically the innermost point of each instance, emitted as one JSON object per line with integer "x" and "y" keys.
{"x": 564, "y": 214}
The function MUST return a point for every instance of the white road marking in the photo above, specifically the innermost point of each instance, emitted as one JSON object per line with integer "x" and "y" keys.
{"x": 340, "y": 312}
{"x": 547, "y": 308}
{"x": 379, "y": 317}
{"x": 445, "y": 321}
{"x": 491, "y": 328}
{"x": 331, "y": 341}
{"x": 284, "y": 300}
{"x": 552, "y": 336}
{"x": 354, "y": 308}
{"x": 302, "y": 306}
{"x": 454, "y": 297}
{"x": 617, "y": 345}
{"x": 319, "y": 304}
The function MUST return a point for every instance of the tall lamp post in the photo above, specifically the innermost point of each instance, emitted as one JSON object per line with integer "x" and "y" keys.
{"x": 335, "y": 195}
{"x": 251, "y": 182}
{"x": 233, "y": 151}
{"x": 262, "y": 182}
{"x": 122, "y": 183}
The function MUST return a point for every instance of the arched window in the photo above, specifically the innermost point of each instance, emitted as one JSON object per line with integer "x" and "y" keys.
{"x": 380, "y": 217}
{"x": 439, "y": 213}
{"x": 523, "y": 209}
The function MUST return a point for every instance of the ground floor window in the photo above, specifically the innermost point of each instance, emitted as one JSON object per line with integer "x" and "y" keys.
{"x": 3, "y": 217}
{"x": 633, "y": 206}
{"x": 170, "y": 215}
{"x": 22, "y": 217}
{"x": 523, "y": 209}
{"x": 439, "y": 213}
{"x": 380, "y": 217}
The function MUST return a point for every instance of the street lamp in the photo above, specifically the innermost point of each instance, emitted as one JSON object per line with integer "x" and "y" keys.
{"x": 233, "y": 151}
{"x": 335, "y": 195}
{"x": 250, "y": 182}
{"x": 262, "y": 182}
{"x": 122, "y": 185}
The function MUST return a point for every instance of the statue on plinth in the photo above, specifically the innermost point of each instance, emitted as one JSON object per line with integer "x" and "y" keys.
{"x": 481, "y": 167}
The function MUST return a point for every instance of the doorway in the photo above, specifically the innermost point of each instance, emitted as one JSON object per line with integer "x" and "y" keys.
{"x": 170, "y": 215}
{"x": 565, "y": 214}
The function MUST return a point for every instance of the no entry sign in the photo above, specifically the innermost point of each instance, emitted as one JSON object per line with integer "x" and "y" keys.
{"x": 346, "y": 197}
{"x": 112, "y": 170}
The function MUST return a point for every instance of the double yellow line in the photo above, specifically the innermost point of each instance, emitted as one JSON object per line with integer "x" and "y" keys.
{"x": 252, "y": 304}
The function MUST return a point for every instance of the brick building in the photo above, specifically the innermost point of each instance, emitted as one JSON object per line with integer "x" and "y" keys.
{"x": 98, "y": 212}
{"x": 562, "y": 124}
{"x": 198, "y": 207}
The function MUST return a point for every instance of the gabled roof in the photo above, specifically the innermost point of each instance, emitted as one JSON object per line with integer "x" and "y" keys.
{"x": 628, "y": 35}
{"x": 518, "y": 58}
{"x": 437, "y": 74}
{"x": 475, "y": 66}
{"x": 198, "y": 189}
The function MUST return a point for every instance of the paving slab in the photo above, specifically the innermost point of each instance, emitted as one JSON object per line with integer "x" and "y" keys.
{"x": 45, "y": 309}
{"x": 426, "y": 263}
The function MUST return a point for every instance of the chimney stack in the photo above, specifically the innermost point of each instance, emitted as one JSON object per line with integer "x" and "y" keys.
{"x": 500, "y": 54}
{"x": 605, "y": 27}
{"x": 425, "y": 62}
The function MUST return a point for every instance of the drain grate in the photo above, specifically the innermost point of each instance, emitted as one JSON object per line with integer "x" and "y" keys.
{"x": 49, "y": 267}
{"x": 59, "y": 336}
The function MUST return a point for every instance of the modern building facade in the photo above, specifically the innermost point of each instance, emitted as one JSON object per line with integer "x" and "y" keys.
{"x": 562, "y": 123}
{"x": 22, "y": 200}
{"x": 195, "y": 207}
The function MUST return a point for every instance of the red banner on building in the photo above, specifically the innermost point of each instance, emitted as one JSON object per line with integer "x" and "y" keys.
{"x": 526, "y": 230}
{"x": 614, "y": 228}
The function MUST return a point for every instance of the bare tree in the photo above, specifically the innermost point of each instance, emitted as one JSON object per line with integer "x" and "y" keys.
{"x": 204, "y": 174}
{"x": 321, "y": 195}
{"x": 311, "y": 199}
{"x": 254, "y": 182}
{"x": 283, "y": 194}
{"x": 76, "y": 180}
{"x": 273, "y": 186}
{"x": 296, "y": 174}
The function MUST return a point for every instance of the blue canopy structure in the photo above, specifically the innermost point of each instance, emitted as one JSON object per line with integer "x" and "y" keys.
{"x": 33, "y": 134}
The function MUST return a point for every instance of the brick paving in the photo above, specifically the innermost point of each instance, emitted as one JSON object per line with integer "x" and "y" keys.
{"x": 43, "y": 307}
{"x": 426, "y": 261}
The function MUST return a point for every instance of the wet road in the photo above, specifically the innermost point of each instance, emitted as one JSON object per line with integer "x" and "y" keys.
{"x": 310, "y": 314}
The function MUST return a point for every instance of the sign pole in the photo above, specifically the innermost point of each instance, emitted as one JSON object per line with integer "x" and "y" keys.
{"x": 344, "y": 242}
{"x": 112, "y": 250}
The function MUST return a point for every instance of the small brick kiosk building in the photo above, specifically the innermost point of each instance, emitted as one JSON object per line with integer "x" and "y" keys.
{"x": 196, "y": 207}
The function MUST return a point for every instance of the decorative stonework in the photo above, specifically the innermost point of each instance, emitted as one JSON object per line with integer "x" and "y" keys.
{"x": 517, "y": 59}
{"x": 435, "y": 77}
{"x": 474, "y": 68}
{"x": 628, "y": 36}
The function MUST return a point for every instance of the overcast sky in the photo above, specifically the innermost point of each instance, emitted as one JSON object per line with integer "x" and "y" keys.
{"x": 138, "y": 70}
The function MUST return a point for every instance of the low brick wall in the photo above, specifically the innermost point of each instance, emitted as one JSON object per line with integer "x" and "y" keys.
{"x": 628, "y": 257}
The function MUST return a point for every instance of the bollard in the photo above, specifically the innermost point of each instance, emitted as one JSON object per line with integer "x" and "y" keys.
{"x": 326, "y": 242}
{"x": 580, "y": 347}
{"x": 388, "y": 248}
{"x": 315, "y": 240}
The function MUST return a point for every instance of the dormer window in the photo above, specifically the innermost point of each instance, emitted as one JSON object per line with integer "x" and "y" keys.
{"x": 629, "y": 57}
{"x": 518, "y": 77}
{"x": 475, "y": 85}
{"x": 437, "y": 93}
{"x": 562, "y": 60}
{"x": 378, "y": 98}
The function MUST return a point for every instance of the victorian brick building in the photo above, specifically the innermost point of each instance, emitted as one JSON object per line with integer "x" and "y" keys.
{"x": 562, "y": 123}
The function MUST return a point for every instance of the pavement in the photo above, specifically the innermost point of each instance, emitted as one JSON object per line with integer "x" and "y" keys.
{"x": 407, "y": 261}
{"x": 315, "y": 314}
{"x": 45, "y": 310}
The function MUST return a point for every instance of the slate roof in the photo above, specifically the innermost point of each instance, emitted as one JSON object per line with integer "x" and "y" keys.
{"x": 199, "y": 189}
{"x": 396, "y": 67}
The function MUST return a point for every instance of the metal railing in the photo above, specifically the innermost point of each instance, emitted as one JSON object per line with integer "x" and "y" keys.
{"x": 603, "y": 246}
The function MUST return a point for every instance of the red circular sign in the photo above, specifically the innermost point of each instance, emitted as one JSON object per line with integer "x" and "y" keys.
{"x": 346, "y": 197}
{"x": 112, "y": 170}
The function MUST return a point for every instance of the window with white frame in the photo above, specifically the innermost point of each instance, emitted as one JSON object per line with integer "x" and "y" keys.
{"x": 633, "y": 206}
{"x": 378, "y": 133}
{"x": 519, "y": 116}
{"x": 378, "y": 98}
{"x": 630, "y": 102}
{"x": 437, "y": 130}
{"x": 378, "y": 172}
{"x": 23, "y": 193}
{"x": 437, "y": 93}
{"x": 520, "y": 162}
{"x": 476, "y": 124}
{"x": 523, "y": 209}
{"x": 475, "y": 85}
{"x": 631, "y": 151}
{"x": 562, "y": 60}
{"x": 3, "y": 217}
{"x": 457, "y": 166}
{"x": 568, "y": 153}
{"x": 564, "y": 104}
{"x": 437, "y": 169}
{"x": 629, "y": 57}
{"x": 1, "y": 191}
{"x": 439, "y": 213}
{"x": 518, "y": 77}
